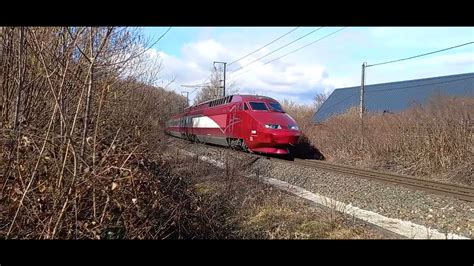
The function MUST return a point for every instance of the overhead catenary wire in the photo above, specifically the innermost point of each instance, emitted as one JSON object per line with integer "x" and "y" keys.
{"x": 281, "y": 47}
{"x": 235, "y": 61}
{"x": 205, "y": 83}
{"x": 293, "y": 51}
{"x": 194, "y": 86}
{"x": 304, "y": 46}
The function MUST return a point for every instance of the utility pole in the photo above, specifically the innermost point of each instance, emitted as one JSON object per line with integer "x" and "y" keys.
{"x": 362, "y": 88}
{"x": 224, "y": 63}
{"x": 361, "y": 112}
{"x": 187, "y": 96}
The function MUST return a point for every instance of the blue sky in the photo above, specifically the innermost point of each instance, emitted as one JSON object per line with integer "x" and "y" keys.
{"x": 187, "y": 54}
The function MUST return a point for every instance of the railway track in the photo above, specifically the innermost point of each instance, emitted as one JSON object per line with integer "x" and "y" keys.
{"x": 435, "y": 187}
{"x": 452, "y": 190}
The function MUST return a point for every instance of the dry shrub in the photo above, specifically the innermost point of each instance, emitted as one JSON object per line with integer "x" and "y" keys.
{"x": 434, "y": 139}
{"x": 302, "y": 113}
{"x": 76, "y": 124}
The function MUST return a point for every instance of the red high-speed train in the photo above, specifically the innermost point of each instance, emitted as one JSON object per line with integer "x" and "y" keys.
{"x": 251, "y": 123}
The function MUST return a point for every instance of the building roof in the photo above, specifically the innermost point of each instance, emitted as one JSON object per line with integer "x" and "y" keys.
{"x": 395, "y": 96}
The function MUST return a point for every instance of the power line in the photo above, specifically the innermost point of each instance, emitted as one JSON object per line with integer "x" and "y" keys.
{"x": 304, "y": 46}
{"x": 149, "y": 47}
{"x": 393, "y": 61}
{"x": 241, "y": 73}
{"x": 193, "y": 91}
{"x": 163, "y": 35}
{"x": 195, "y": 86}
{"x": 293, "y": 51}
{"x": 263, "y": 46}
{"x": 277, "y": 49}
{"x": 205, "y": 83}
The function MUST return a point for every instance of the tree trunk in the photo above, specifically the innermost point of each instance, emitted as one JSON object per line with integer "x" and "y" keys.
{"x": 20, "y": 79}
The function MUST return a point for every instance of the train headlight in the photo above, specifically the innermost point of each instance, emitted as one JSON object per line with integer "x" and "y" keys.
{"x": 294, "y": 127}
{"x": 272, "y": 126}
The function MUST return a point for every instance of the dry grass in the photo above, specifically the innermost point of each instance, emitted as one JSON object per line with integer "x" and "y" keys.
{"x": 253, "y": 210}
{"x": 433, "y": 140}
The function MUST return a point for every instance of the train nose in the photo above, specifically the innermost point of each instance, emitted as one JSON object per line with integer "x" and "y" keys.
{"x": 285, "y": 137}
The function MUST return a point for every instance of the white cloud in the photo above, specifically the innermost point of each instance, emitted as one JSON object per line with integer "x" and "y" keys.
{"x": 202, "y": 51}
{"x": 287, "y": 77}
{"x": 333, "y": 63}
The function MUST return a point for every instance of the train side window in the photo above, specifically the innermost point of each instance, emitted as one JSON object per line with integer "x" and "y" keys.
{"x": 245, "y": 106}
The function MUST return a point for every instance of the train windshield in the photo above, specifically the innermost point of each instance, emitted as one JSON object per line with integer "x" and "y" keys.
{"x": 258, "y": 106}
{"x": 276, "y": 107}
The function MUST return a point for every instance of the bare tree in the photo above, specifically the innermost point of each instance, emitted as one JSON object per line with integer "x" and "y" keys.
{"x": 214, "y": 88}
{"x": 319, "y": 99}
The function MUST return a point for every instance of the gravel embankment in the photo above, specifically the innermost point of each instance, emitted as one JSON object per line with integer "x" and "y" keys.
{"x": 442, "y": 213}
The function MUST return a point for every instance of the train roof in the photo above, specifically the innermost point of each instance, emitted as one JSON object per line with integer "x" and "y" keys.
{"x": 230, "y": 98}
{"x": 224, "y": 100}
{"x": 238, "y": 98}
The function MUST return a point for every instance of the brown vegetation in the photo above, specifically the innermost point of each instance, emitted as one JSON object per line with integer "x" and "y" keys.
{"x": 433, "y": 140}
{"x": 76, "y": 112}
{"x": 246, "y": 208}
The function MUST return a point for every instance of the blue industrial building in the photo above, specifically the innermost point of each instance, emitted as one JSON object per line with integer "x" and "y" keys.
{"x": 395, "y": 96}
